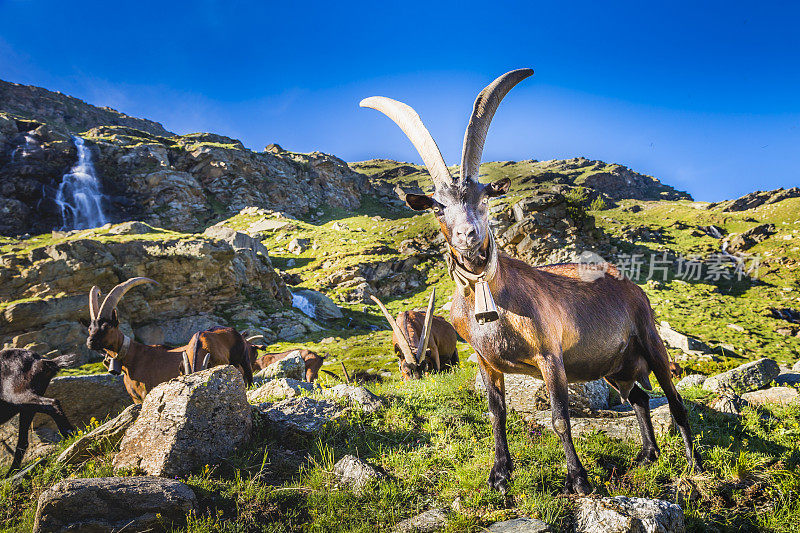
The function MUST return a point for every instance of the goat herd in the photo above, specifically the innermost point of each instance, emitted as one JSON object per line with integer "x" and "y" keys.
{"x": 551, "y": 322}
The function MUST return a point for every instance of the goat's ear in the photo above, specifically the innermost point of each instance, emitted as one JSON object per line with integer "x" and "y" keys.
{"x": 85, "y": 323}
{"x": 419, "y": 202}
{"x": 114, "y": 318}
{"x": 498, "y": 188}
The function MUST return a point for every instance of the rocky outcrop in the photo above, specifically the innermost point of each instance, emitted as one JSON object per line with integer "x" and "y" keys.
{"x": 756, "y": 199}
{"x": 188, "y": 422}
{"x": 772, "y": 396}
{"x": 66, "y": 112}
{"x": 621, "y": 514}
{"x": 527, "y": 394}
{"x": 302, "y": 416}
{"x": 43, "y": 291}
{"x": 320, "y": 306}
{"x": 106, "y": 505}
{"x": 747, "y": 377}
{"x": 747, "y": 239}
{"x": 280, "y": 388}
{"x": 361, "y": 397}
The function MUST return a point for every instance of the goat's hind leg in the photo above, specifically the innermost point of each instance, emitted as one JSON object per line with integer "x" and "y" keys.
{"x": 640, "y": 401}
{"x": 52, "y": 408}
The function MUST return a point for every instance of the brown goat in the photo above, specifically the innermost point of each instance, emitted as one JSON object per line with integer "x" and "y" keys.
{"x": 557, "y": 323}
{"x": 313, "y": 361}
{"x": 143, "y": 366}
{"x": 24, "y": 377}
{"x": 422, "y": 341}
{"x": 219, "y": 346}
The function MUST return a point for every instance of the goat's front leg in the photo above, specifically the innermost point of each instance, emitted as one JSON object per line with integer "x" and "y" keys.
{"x": 25, "y": 419}
{"x": 52, "y": 408}
{"x": 552, "y": 368}
{"x": 496, "y": 392}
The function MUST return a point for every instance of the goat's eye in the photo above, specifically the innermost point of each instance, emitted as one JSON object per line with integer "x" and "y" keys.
{"x": 485, "y": 200}
{"x": 437, "y": 210}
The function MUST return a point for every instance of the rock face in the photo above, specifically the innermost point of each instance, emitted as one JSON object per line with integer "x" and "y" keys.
{"x": 352, "y": 472}
{"x": 675, "y": 339}
{"x": 527, "y": 394}
{"x": 746, "y": 240}
{"x": 66, "y": 112}
{"x": 45, "y": 289}
{"x": 628, "y": 515}
{"x": 109, "y": 433}
{"x": 188, "y": 422}
{"x": 114, "y": 504}
{"x": 747, "y": 377}
{"x": 692, "y": 380}
{"x": 520, "y": 525}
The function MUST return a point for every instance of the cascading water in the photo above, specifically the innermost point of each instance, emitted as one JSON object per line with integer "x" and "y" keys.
{"x": 79, "y": 196}
{"x": 301, "y": 302}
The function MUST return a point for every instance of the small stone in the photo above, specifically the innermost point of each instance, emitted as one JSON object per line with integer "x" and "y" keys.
{"x": 727, "y": 404}
{"x": 520, "y": 525}
{"x": 692, "y": 380}
{"x": 302, "y": 415}
{"x": 298, "y": 246}
{"x": 426, "y": 522}
{"x": 736, "y": 327}
{"x": 628, "y": 515}
{"x": 354, "y": 473}
{"x": 368, "y": 401}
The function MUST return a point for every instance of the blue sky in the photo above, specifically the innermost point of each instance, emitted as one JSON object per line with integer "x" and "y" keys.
{"x": 703, "y": 95}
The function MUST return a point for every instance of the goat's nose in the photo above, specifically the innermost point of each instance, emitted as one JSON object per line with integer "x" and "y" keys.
{"x": 467, "y": 234}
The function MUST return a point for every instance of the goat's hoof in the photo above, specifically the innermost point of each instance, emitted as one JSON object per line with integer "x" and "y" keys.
{"x": 498, "y": 478}
{"x": 578, "y": 484}
{"x": 647, "y": 456}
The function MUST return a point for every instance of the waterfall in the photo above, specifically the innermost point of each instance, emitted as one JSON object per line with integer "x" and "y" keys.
{"x": 301, "y": 302}
{"x": 79, "y": 196}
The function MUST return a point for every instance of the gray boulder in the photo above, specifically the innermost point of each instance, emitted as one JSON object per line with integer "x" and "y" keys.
{"x": 298, "y": 246}
{"x": 112, "y": 504}
{"x": 796, "y": 367}
{"x": 747, "y": 377}
{"x": 520, "y": 525}
{"x": 622, "y": 425}
{"x": 352, "y": 472}
{"x": 188, "y": 422}
{"x": 303, "y": 416}
{"x": 360, "y": 396}
{"x": 279, "y": 388}
{"x": 685, "y": 343}
{"x": 790, "y": 379}
{"x": 324, "y": 307}
{"x": 623, "y": 515}
{"x": 426, "y": 522}
{"x": 97, "y": 396}
{"x": 692, "y": 380}
{"x": 292, "y": 366}
{"x": 109, "y": 434}
{"x": 772, "y": 396}
{"x": 527, "y": 394}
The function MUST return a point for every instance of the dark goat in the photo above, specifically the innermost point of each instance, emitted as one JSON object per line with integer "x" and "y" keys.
{"x": 24, "y": 377}
{"x": 559, "y": 322}
{"x": 422, "y": 341}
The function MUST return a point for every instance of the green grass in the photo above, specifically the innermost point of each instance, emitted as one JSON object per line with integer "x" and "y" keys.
{"x": 435, "y": 443}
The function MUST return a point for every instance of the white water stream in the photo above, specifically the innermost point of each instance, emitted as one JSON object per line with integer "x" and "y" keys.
{"x": 79, "y": 196}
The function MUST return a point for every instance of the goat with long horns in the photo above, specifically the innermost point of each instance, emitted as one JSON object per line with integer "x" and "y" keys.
{"x": 551, "y": 322}
{"x": 143, "y": 365}
{"x": 422, "y": 342}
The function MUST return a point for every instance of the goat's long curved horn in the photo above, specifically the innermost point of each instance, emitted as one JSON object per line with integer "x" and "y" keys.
{"x": 254, "y": 337}
{"x": 404, "y": 346}
{"x": 206, "y": 360}
{"x": 482, "y": 113}
{"x": 110, "y": 302}
{"x": 187, "y": 366}
{"x": 409, "y": 121}
{"x": 94, "y": 302}
{"x": 426, "y": 329}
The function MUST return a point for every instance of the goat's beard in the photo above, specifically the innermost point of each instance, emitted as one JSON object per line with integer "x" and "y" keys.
{"x": 475, "y": 261}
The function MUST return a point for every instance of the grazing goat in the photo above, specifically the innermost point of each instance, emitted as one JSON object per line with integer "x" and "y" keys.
{"x": 219, "y": 346}
{"x": 24, "y": 377}
{"x": 143, "y": 366}
{"x": 422, "y": 341}
{"x": 313, "y": 361}
{"x": 552, "y": 322}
